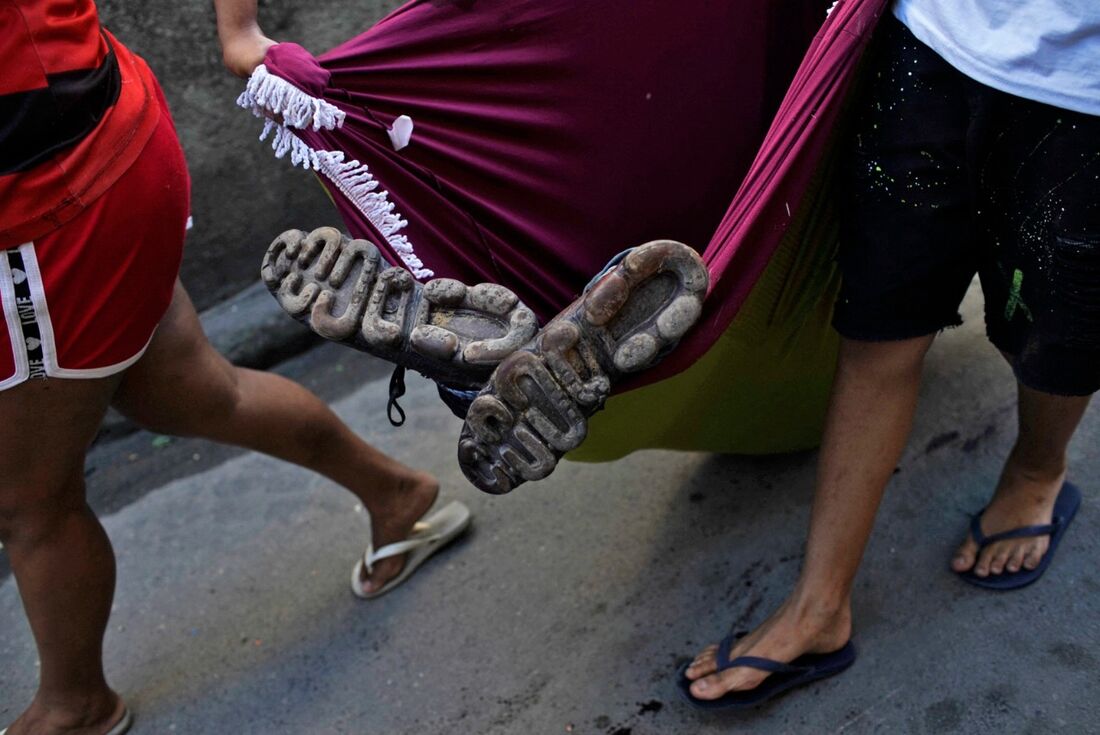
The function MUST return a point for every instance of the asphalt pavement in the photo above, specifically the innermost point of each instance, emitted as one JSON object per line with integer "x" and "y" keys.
{"x": 571, "y": 602}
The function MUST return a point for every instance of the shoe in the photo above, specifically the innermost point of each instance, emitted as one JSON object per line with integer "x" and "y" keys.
{"x": 121, "y": 727}
{"x": 344, "y": 291}
{"x": 784, "y": 677}
{"x": 536, "y": 404}
{"x": 1065, "y": 508}
{"x": 430, "y": 534}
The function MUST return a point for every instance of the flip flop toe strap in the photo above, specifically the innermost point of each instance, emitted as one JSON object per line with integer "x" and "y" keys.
{"x": 1023, "y": 532}
{"x": 372, "y": 556}
{"x": 754, "y": 662}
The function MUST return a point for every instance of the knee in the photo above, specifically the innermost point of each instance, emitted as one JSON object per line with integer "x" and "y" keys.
{"x": 900, "y": 360}
{"x": 33, "y": 508}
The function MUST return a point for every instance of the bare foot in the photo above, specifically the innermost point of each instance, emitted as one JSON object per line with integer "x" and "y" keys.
{"x": 1023, "y": 498}
{"x": 792, "y": 631}
{"x": 95, "y": 717}
{"x": 392, "y": 519}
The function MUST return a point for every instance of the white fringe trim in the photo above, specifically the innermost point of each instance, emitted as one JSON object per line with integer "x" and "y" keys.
{"x": 267, "y": 95}
{"x": 358, "y": 184}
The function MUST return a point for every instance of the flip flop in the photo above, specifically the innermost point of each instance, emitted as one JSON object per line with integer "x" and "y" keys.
{"x": 801, "y": 671}
{"x": 430, "y": 534}
{"x": 121, "y": 727}
{"x": 1065, "y": 508}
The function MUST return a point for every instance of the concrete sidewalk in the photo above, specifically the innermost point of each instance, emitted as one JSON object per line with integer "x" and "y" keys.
{"x": 570, "y": 604}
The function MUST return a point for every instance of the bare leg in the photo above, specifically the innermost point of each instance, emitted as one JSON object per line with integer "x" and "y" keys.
{"x": 1030, "y": 482}
{"x": 182, "y": 386}
{"x": 59, "y": 553}
{"x": 61, "y": 556}
{"x": 870, "y": 416}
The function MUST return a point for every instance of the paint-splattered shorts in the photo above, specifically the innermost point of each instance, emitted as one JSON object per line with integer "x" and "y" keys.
{"x": 947, "y": 178}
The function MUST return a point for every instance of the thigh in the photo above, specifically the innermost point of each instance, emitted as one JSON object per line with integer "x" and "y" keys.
{"x": 181, "y": 381}
{"x": 906, "y": 255}
{"x": 77, "y": 308}
{"x": 1039, "y": 208}
{"x": 89, "y": 294}
{"x": 45, "y": 429}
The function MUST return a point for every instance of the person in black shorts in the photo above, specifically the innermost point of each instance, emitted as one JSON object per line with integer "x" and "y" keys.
{"x": 946, "y": 178}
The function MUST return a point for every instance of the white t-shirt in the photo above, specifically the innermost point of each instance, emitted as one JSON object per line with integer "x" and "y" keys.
{"x": 1044, "y": 50}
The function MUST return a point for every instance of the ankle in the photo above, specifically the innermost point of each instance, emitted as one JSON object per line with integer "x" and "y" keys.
{"x": 1034, "y": 467}
{"x": 820, "y": 611}
{"x": 74, "y": 711}
{"x": 400, "y": 495}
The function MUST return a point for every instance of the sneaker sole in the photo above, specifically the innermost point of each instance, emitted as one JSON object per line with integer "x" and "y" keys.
{"x": 536, "y": 404}
{"x": 344, "y": 291}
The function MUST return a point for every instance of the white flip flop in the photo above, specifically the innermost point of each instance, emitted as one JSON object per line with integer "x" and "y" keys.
{"x": 430, "y": 534}
{"x": 121, "y": 727}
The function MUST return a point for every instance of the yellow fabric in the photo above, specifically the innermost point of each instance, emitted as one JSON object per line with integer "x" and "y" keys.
{"x": 764, "y": 386}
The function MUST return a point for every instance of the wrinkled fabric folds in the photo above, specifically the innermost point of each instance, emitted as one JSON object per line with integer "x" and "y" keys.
{"x": 549, "y": 135}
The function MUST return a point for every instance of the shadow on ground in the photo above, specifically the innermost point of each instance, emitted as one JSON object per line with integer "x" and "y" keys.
{"x": 570, "y": 604}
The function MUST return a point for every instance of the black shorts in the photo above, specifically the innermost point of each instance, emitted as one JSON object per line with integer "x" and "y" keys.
{"x": 946, "y": 178}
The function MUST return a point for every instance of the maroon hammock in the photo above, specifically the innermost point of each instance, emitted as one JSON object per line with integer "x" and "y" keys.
{"x": 526, "y": 142}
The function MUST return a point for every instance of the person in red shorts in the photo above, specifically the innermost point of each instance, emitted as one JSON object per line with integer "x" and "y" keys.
{"x": 94, "y": 201}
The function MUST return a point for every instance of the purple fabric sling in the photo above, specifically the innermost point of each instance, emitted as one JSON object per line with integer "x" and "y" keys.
{"x": 549, "y": 135}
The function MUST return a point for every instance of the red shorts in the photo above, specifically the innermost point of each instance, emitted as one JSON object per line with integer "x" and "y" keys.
{"x": 83, "y": 300}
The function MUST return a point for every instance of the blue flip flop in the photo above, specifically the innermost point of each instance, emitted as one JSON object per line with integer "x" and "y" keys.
{"x": 1065, "y": 508}
{"x": 801, "y": 671}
